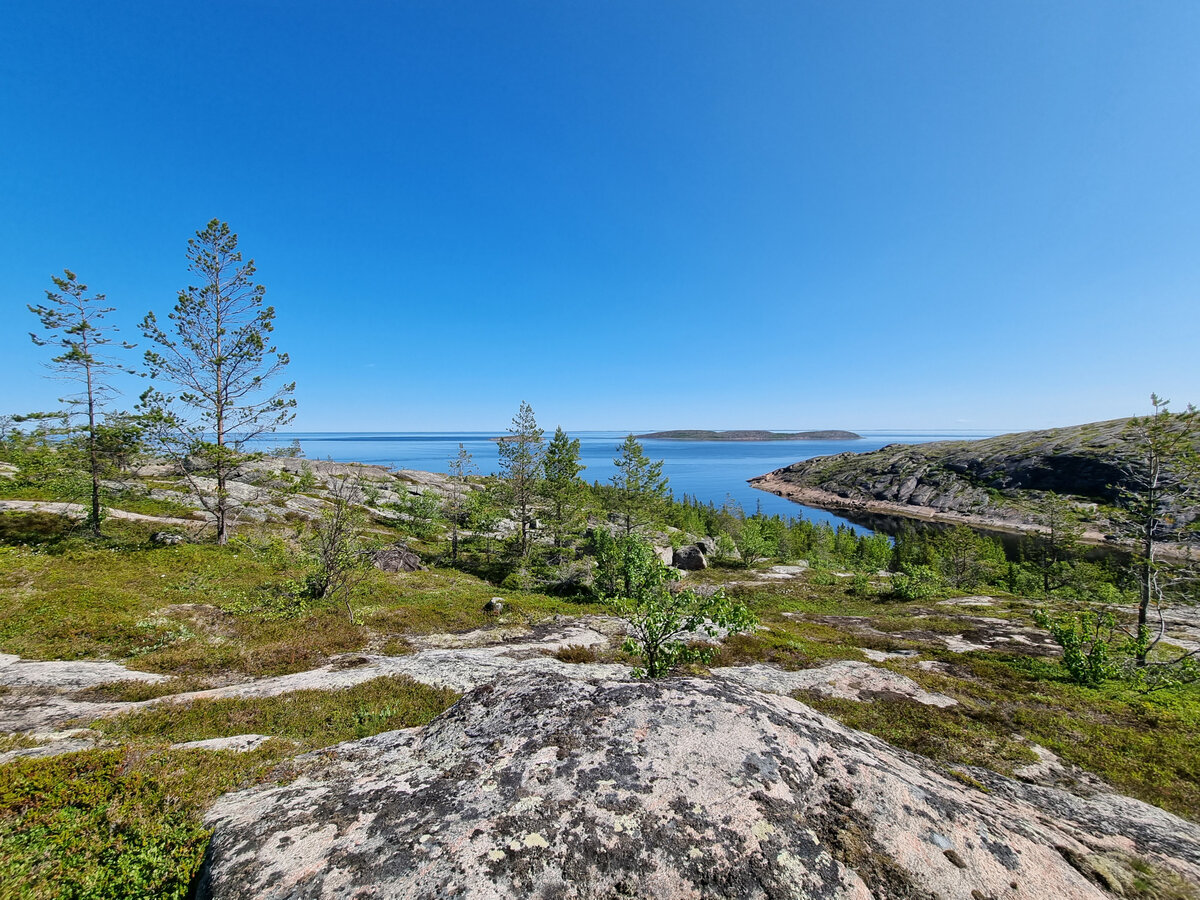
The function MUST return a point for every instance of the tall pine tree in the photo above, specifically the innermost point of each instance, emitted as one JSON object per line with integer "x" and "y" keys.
{"x": 216, "y": 351}
{"x": 641, "y": 487}
{"x": 562, "y": 485}
{"x": 521, "y": 454}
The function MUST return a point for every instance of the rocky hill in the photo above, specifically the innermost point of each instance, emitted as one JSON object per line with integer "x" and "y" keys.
{"x": 545, "y": 786}
{"x": 993, "y": 482}
{"x": 701, "y": 435}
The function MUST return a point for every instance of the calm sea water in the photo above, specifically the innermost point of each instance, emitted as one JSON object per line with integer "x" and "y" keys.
{"x": 713, "y": 471}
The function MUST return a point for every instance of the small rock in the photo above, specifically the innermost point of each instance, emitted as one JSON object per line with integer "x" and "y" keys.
{"x": 967, "y": 601}
{"x": 238, "y": 743}
{"x": 495, "y": 605}
{"x": 882, "y": 655}
{"x": 795, "y": 569}
{"x": 167, "y": 538}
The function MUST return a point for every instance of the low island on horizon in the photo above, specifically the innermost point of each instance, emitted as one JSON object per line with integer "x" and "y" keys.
{"x": 702, "y": 435}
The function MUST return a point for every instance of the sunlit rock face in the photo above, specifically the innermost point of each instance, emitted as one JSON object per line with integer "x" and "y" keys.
{"x": 544, "y": 786}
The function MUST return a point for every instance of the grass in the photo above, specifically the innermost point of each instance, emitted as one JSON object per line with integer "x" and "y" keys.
{"x": 576, "y": 653}
{"x": 17, "y": 740}
{"x": 203, "y": 613}
{"x": 127, "y": 823}
{"x": 1143, "y": 747}
{"x": 136, "y": 691}
{"x": 969, "y": 736}
{"x": 311, "y": 718}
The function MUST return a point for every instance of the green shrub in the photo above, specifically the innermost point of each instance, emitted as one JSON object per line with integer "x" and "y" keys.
{"x": 660, "y": 618}
{"x": 1086, "y": 640}
{"x": 107, "y": 825}
{"x": 916, "y": 582}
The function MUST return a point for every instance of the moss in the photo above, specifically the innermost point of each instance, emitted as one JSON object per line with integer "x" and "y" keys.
{"x": 312, "y": 718}
{"x": 136, "y": 691}
{"x": 966, "y": 779}
{"x": 1142, "y": 746}
{"x": 958, "y": 734}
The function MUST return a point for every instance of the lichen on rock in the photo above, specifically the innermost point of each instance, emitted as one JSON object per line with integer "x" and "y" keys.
{"x": 543, "y": 786}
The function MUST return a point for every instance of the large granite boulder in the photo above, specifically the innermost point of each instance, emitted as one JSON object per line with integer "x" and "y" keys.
{"x": 544, "y": 786}
{"x": 689, "y": 558}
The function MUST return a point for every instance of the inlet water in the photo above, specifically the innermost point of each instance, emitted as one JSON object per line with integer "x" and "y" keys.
{"x": 711, "y": 471}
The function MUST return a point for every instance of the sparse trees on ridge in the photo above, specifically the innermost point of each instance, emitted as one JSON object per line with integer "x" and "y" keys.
{"x": 216, "y": 353}
{"x": 74, "y": 323}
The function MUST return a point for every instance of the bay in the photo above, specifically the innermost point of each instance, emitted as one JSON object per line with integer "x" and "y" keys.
{"x": 711, "y": 471}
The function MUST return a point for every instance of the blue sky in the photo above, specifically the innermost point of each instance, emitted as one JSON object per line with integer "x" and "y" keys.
{"x": 630, "y": 214}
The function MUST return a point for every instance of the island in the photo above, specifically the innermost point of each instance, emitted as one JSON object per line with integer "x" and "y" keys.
{"x": 701, "y": 435}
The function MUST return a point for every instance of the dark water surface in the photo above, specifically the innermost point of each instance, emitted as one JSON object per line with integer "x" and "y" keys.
{"x": 713, "y": 471}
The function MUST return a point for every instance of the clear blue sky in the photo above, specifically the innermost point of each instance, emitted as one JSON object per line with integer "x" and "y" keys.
{"x": 632, "y": 214}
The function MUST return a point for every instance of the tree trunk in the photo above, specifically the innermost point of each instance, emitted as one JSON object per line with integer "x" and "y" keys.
{"x": 94, "y": 515}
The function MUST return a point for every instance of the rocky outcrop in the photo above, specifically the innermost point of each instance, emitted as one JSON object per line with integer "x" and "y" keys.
{"x": 542, "y": 786}
{"x": 993, "y": 482}
{"x": 397, "y": 558}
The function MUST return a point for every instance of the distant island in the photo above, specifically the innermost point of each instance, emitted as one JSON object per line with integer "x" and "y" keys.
{"x": 699, "y": 435}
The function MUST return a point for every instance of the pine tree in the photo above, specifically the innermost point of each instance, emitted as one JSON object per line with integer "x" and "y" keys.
{"x": 562, "y": 484}
{"x": 461, "y": 468}
{"x": 217, "y": 354}
{"x": 74, "y": 322}
{"x": 521, "y": 454}
{"x": 1159, "y": 495}
{"x": 641, "y": 487}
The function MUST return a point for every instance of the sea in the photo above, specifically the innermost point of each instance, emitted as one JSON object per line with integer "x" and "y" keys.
{"x": 710, "y": 471}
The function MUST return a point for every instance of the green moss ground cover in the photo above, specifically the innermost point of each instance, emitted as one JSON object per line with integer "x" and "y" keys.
{"x": 310, "y": 718}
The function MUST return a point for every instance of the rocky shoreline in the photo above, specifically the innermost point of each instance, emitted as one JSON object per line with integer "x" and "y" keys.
{"x": 750, "y": 435}
{"x": 773, "y": 484}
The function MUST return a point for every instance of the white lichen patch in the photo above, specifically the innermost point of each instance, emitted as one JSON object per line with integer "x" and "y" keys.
{"x": 527, "y": 804}
{"x": 762, "y": 829}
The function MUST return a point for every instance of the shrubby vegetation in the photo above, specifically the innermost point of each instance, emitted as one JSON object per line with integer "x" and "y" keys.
{"x": 644, "y": 591}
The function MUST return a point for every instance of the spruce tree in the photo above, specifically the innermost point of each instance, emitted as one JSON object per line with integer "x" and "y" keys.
{"x": 74, "y": 322}
{"x": 521, "y": 455}
{"x": 216, "y": 352}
